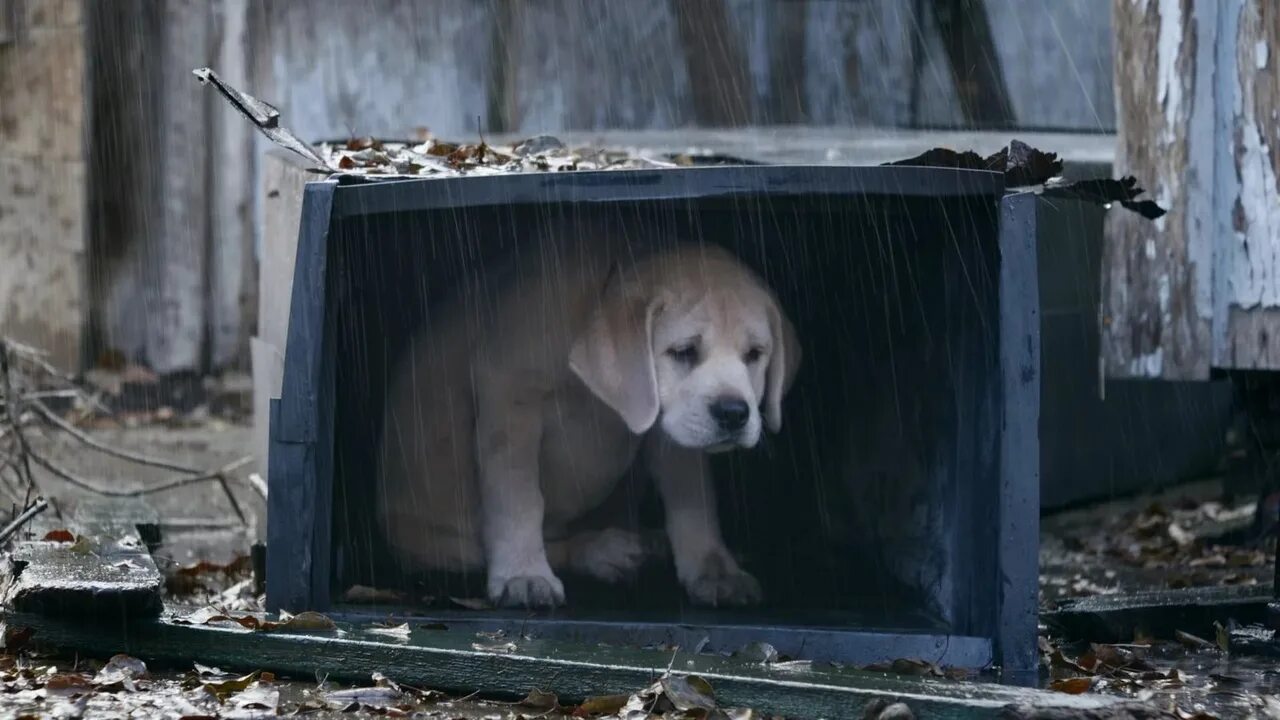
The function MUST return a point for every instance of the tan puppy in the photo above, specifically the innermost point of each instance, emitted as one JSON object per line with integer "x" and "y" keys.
{"x": 520, "y": 408}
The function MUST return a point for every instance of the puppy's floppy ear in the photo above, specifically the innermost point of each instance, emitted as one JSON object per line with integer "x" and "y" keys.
{"x": 784, "y": 362}
{"x": 614, "y": 354}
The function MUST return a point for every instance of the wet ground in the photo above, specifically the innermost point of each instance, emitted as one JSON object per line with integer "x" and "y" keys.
{"x": 1184, "y": 537}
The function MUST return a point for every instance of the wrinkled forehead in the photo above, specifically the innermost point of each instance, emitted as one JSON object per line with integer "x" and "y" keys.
{"x": 737, "y": 319}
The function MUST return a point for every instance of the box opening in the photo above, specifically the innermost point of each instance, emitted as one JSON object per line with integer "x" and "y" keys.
{"x": 874, "y": 508}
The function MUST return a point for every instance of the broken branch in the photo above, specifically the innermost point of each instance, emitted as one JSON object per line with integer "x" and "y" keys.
{"x": 98, "y": 445}
{"x": 39, "y": 506}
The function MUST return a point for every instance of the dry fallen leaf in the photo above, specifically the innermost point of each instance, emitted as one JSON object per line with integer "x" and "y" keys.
{"x": 1072, "y": 686}
{"x": 306, "y": 621}
{"x": 601, "y": 705}
{"x": 223, "y": 689}
{"x": 68, "y": 684}
{"x": 689, "y": 692}
{"x": 62, "y": 536}
{"x": 540, "y": 700}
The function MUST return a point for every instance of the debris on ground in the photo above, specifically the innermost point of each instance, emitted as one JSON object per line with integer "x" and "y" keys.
{"x": 1025, "y": 167}
{"x": 1182, "y": 539}
{"x": 41, "y": 407}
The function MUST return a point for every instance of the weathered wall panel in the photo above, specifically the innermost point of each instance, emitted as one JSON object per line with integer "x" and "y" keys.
{"x": 1056, "y": 57}
{"x": 338, "y": 69}
{"x": 42, "y": 177}
{"x": 1247, "y": 322}
{"x": 1157, "y": 275}
{"x": 386, "y": 67}
{"x": 1200, "y": 124}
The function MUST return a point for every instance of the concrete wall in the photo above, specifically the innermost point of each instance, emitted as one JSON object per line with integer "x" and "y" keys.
{"x": 42, "y": 175}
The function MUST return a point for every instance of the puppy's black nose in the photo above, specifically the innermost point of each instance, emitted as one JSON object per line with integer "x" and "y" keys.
{"x": 731, "y": 413}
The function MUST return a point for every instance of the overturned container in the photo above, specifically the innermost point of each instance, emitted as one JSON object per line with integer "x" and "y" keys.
{"x": 895, "y": 515}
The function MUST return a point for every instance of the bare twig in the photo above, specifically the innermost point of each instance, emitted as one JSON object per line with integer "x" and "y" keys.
{"x": 14, "y": 414}
{"x": 34, "y": 357}
{"x": 258, "y": 484}
{"x": 98, "y": 445}
{"x": 39, "y": 506}
{"x": 90, "y": 485}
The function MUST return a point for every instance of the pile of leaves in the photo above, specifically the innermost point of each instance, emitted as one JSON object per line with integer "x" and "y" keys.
{"x": 435, "y": 157}
{"x": 1184, "y": 676}
{"x": 1176, "y": 544}
{"x": 230, "y": 586}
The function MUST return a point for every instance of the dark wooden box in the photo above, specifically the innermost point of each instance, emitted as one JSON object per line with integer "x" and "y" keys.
{"x": 896, "y": 515}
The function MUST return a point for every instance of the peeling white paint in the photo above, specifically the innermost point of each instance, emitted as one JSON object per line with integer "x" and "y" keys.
{"x": 1149, "y": 365}
{"x": 1256, "y": 271}
{"x": 1168, "y": 44}
{"x": 1260, "y": 53}
{"x": 1164, "y": 198}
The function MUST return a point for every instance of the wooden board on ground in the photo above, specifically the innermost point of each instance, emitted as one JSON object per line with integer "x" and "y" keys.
{"x": 1160, "y": 614}
{"x": 98, "y": 566}
{"x": 455, "y": 660}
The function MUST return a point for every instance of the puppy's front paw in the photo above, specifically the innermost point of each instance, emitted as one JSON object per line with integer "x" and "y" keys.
{"x": 527, "y": 591}
{"x": 609, "y": 555}
{"x": 720, "y": 582}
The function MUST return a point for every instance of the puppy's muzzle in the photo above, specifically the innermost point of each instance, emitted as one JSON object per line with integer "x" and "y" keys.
{"x": 730, "y": 413}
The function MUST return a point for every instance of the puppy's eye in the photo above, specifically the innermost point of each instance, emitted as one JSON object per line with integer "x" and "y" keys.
{"x": 687, "y": 354}
{"x": 753, "y": 355}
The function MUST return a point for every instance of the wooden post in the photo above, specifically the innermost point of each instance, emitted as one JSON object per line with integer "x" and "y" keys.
{"x": 1197, "y": 92}
{"x": 232, "y": 269}
{"x": 174, "y": 267}
{"x": 717, "y": 67}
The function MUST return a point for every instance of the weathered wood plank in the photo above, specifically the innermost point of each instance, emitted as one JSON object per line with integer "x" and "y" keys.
{"x": 1118, "y": 618}
{"x": 1198, "y": 93}
{"x": 283, "y": 183}
{"x": 449, "y": 660}
{"x": 232, "y": 290}
{"x": 861, "y": 62}
{"x": 177, "y": 245}
{"x": 380, "y": 67}
{"x": 625, "y": 67}
{"x": 716, "y": 63}
{"x": 107, "y": 573}
{"x": 1056, "y": 59}
{"x": 1247, "y": 263}
{"x": 1158, "y": 275}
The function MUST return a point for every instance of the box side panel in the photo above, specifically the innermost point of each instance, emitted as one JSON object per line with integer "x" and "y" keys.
{"x": 1019, "y": 522}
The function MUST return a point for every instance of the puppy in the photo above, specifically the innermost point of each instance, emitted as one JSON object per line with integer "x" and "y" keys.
{"x": 519, "y": 408}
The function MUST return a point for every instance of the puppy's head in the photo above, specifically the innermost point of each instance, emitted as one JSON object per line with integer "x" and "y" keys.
{"x": 693, "y": 338}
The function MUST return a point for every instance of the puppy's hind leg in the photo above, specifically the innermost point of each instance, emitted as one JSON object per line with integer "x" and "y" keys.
{"x": 612, "y": 554}
{"x": 508, "y": 442}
